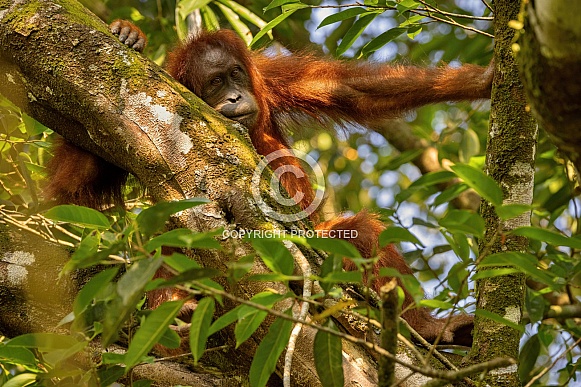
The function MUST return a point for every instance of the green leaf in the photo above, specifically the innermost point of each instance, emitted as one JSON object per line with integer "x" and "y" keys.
{"x": 247, "y": 325}
{"x": 21, "y": 380}
{"x": 449, "y": 194}
{"x": 499, "y": 319}
{"x": 43, "y": 341}
{"x": 464, "y": 222}
{"x": 328, "y": 358}
{"x": 401, "y": 159}
{"x": 185, "y": 238}
{"x": 182, "y": 264}
{"x": 170, "y": 339}
{"x": 200, "y": 325}
{"x": 469, "y": 146}
{"x": 397, "y": 234}
{"x": 332, "y": 264}
{"x": 249, "y": 318}
{"x": 509, "y": 211}
{"x": 276, "y": 21}
{"x": 461, "y": 246}
{"x": 150, "y": 332}
{"x": 421, "y": 222}
{"x": 113, "y": 358}
{"x": 278, "y": 3}
{"x": 274, "y": 255}
{"x": 224, "y": 320}
{"x": 334, "y": 245}
{"x": 410, "y": 282}
{"x": 131, "y": 284}
{"x": 129, "y": 289}
{"x": 33, "y": 127}
{"x": 412, "y": 20}
{"x": 109, "y": 375}
{"x": 83, "y": 216}
{"x": 494, "y": 273}
{"x": 57, "y": 356}
{"x": 536, "y": 305}
{"x": 432, "y": 178}
{"x": 210, "y": 19}
{"x": 343, "y": 276}
{"x": 343, "y": 15}
{"x": 546, "y": 335}
{"x": 548, "y": 236}
{"x": 185, "y": 7}
{"x": 528, "y": 357}
{"x": 440, "y": 249}
{"x": 245, "y": 13}
{"x": 525, "y": 262}
{"x": 436, "y": 304}
{"x": 268, "y": 352}
{"x": 87, "y": 249}
{"x": 267, "y": 299}
{"x": 17, "y": 355}
{"x": 480, "y": 182}
{"x": 380, "y": 41}
{"x": 405, "y": 5}
{"x": 87, "y": 255}
{"x": 355, "y": 31}
{"x": 153, "y": 219}
{"x": 191, "y": 275}
{"x": 457, "y": 278}
{"x": 237, "y": 25}
{"x": 414, "y": 31}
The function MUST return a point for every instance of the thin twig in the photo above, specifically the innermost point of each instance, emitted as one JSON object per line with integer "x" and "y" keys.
{"x": 9, "y": 219}
{"x": 430, "y": 372}
{"x": 458, "y": 15}
{"x": 450, "y": 22}
{"x": 487, "y": 6}
{"x": 422, "y": 12}
{"x": 307, "y": 285}
{"x": 546, "y": 369}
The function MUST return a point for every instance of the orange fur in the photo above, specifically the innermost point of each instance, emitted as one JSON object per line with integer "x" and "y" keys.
{"x": 79, "y": 177}
{"x": 289, "y": 89}
{"x": 336, "y": 91}
{"x": 456, "y": 330}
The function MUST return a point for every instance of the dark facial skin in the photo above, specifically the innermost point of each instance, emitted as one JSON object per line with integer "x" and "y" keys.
{"x": 227, "y": 88}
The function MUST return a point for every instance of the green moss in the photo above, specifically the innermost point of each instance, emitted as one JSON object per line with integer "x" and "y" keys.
{"x": 4, "y": 4}
{"x": 20, "y": 18}
{"x": 5, "y": 240}
{"x": 133, "y": 70}
{"x": 82, "y": 14}
{"x": 510, "y": 145}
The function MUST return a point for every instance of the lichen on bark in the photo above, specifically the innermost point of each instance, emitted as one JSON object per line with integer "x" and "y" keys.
{"x": 510, "y": 157}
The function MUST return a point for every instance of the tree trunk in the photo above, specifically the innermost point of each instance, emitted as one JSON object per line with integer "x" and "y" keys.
{"x": 550, "y": 63}
{"x": 509, "y": 161}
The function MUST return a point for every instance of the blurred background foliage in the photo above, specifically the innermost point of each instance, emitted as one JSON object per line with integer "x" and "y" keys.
{"x": 363, "y": 170}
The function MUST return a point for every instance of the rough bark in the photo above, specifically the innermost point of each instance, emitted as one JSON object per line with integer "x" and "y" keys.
{"x": 550, "y": 61}
{"x": 509, "y": 161}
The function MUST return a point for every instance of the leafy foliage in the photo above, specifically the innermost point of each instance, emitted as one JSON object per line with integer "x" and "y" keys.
{"x": 364, "y": 170}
